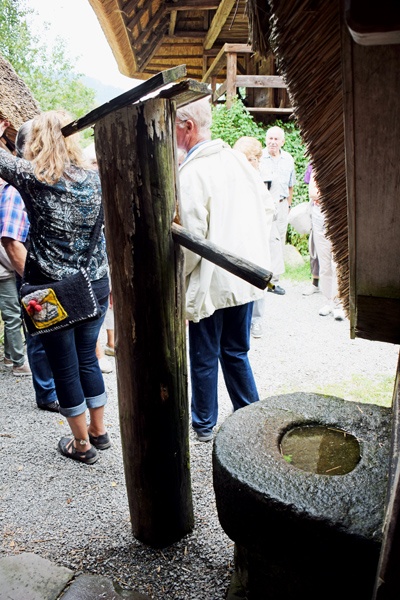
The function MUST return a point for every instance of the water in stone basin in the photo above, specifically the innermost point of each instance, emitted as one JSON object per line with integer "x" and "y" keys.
{"x": 321, "y": 449}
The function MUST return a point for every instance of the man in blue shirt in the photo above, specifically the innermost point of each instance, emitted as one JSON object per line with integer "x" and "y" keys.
{"x": 279, "y": 165}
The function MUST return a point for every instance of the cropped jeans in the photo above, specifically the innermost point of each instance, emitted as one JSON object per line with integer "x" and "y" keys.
{"x": 77, "y": 375}
{"x": 224, "y": 337}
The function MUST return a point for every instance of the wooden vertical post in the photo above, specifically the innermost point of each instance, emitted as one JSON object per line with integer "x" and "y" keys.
{"x": 135, "y": 151}
{"x": 231, "y": 72}
{"x": 213, "y": 88}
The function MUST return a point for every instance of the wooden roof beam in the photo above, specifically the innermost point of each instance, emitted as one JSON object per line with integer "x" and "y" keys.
{"x": 148, "y": 49}
{"x": 139, "y": 14}
{"x": 172, "y": 22}
{"x": 192, "y": 5}
{"x": 263, "y": 81}
{"x": 219, "y": 62}
{"x": 239, "y": 48}
{"x": 186, "y": 34}
{"x": 185, "y": 92}
{"x": 216, "y": 66}
{"x": 128, "y": 9}
{"x": 150, "y": 26}
{"x": 218, "y": 22}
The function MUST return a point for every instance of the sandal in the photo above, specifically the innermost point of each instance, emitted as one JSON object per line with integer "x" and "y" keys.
{"x": 67, "y": 448}
{"x": 101, "y": 442}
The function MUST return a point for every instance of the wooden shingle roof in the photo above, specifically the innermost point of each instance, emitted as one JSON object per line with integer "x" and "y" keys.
{"x": 147, "y": 36}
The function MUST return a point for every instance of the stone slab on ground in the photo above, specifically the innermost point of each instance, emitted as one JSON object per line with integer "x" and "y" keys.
{"x": 88, "y": 587}
{"x": 28, "y": 576}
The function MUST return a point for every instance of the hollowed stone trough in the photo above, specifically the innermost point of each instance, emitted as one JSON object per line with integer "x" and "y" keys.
{"x": 299, "y": 533}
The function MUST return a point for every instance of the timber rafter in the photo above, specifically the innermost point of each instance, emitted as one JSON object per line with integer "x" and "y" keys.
{"x": 139, "y": 29}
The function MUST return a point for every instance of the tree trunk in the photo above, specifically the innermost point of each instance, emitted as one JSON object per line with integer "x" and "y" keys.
{"x": 137, "y": 165}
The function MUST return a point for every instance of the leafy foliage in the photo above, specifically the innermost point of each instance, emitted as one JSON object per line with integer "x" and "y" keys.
{"x": 48, "y": 72}
{"x": 231, "y": 124}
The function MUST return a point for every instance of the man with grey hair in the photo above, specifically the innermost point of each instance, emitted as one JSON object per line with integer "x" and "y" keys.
{"x": 223, "y": 200}
{"x": 278, "y": 164}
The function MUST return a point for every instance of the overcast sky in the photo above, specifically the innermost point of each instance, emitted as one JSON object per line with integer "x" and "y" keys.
{"x": 76, "y": 23}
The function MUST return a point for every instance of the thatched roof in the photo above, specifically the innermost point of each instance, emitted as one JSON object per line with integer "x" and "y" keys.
{"x": 305, "y": 38}
{"x": 17, "y": 103}
{"x": 148, "y": 36}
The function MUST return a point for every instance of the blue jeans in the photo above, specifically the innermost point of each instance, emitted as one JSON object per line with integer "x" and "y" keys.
{"x": 42, "y": 375}
{"x": 77, "y": 375}
{"x": 225, "y": 336}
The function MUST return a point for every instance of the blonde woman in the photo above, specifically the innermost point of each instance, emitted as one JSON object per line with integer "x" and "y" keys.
{"x": 63, "y": 199}
{"x": 252, "y": 149}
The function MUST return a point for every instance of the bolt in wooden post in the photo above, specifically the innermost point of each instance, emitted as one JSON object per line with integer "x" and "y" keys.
{"x": 135, "y": 152}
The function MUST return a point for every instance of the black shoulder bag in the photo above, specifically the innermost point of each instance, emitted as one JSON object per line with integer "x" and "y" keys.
{"x": 65, "y": 303}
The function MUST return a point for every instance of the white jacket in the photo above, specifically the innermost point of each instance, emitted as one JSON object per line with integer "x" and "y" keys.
{"x": 223, "y": 199}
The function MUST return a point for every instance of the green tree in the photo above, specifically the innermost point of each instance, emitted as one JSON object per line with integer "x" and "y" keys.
{"x": 48, "y": 72}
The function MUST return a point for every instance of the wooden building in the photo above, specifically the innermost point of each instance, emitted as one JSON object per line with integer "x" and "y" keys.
{"x": 209, "y": 36}
{"x": 341, "y": 62}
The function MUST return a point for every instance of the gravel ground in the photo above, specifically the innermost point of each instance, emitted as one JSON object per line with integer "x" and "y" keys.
{"x": 77, "y": 516}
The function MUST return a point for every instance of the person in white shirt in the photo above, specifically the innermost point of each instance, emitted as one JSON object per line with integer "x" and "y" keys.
{"x": 222, "y": 199}
{"x": 279, "y": 164}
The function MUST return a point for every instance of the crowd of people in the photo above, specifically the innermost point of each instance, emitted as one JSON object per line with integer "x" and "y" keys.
{"x": 237, "y": 197}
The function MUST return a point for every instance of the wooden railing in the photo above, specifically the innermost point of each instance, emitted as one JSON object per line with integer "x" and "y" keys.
{"x": 227, "y": 57}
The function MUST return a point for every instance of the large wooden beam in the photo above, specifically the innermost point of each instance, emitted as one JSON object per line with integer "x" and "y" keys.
{"x": 387, "y": 579}
{"x": 139, "y": 14}
{"x": 239, "y": 48}
{"x": 220, "y": 91}
{"x": 218, "y": 22}
{"x": 231, "y": 74}
{"x": 192, "y": 5}
{"x": 244, "y": 269}
{"x": 150, "y": 26}
{"x": 263, "y": 81}
{"x": 151, "y": 85}
{"x": 217, "y": 64}
{"x": 272, "y": 111}
{"x": 135, "y": 152}
{"x": 189, "y": 35}
{"x": 172, "y": 22}
{"x": 148, "y": 50}
{"x": 185, "y": 92}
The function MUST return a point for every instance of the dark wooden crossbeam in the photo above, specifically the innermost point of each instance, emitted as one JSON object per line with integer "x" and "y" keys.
{"x": 129, "y": 97}
{"x": 186, "y": 91}
{"x": 192, "y": 5}
{"x": 244, "y": 269}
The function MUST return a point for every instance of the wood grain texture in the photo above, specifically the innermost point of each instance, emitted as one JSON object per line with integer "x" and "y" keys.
{"x": 153, "y": 84}
{"x": 136, "y": 160}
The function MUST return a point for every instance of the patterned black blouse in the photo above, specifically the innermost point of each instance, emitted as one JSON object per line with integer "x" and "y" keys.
{"x": 62, "y": 217}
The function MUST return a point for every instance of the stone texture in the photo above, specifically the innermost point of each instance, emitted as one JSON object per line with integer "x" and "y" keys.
{"x": 28, "y": 576}
{"x": 292, "y": 257}
{"x": 88, "y": 587}
{"x": 286, "y": 521}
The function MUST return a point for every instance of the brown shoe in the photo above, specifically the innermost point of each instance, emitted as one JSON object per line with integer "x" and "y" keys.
{"x": 22, "y": 370}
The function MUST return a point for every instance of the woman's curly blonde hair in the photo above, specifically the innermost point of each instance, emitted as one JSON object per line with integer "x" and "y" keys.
{"x": 48, "y": 150}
